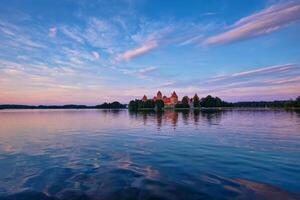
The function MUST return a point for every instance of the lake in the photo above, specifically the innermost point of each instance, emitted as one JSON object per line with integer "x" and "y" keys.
{"x": 115, "y": 154}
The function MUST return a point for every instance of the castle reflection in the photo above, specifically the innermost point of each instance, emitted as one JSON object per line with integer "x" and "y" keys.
{"x": 186, "y": 117}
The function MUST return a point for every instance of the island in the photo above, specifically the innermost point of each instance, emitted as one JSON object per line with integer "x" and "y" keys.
{"x": 160, "y": 102}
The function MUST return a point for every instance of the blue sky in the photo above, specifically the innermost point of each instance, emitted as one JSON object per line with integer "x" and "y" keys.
{"x": 67, "y": 51}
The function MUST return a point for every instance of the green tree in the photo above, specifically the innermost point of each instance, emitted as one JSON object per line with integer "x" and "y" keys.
{"x": 149, "y": 104}
{"x": 196, "y": 101}
{"x": 210, "y": 101}
{"x": 297, "y": 102}
{"x": 207, "y": 101}
{"x": 159, "y": 104}
{"x": 185, "y": 102}
{"x": 133, "y": 105}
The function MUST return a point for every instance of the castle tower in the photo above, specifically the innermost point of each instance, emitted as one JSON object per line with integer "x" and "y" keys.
{"x": 158, "y": 96}
{"x": 174, "y": 98}
{"x": 144, "y": 98}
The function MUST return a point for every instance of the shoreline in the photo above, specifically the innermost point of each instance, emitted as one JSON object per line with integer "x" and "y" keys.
{"x": 84, "y": 107}
{"x": 220, "y": 108}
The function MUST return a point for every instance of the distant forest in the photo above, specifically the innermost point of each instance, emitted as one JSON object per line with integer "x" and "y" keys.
{"x": 206, "y": 102}
{"x": 113, "y": 105}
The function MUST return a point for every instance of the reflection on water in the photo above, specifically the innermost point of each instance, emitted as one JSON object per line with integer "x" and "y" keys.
{"x": 212, "y": 117}
{"x": 115, "y": 154}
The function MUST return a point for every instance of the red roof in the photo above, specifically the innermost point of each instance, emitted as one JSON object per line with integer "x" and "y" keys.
{"x": 174, "y": 95}
{"x": 144, "y": 97}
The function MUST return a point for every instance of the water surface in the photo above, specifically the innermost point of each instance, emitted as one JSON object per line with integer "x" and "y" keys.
{"x": 101, "y": 154}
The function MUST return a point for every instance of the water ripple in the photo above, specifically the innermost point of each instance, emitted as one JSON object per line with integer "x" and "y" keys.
{"x": 173, "y": 155}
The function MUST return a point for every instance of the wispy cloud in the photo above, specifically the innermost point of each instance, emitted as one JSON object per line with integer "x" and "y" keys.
{"x": 52, "y": 32}
{"x": 147, "y": 43}
{"x": 285, "y": 80}
{"x": 256, "y": 72}
{"x": 142, "y": 73}
{"x": 73, "y": 33}
{"x": 96, "y": 55}
{"x": 16, "y": 36}
{"x": 138, "y": 51}
{"x": 103, "y": 34}
{"x": 263, "y": 22}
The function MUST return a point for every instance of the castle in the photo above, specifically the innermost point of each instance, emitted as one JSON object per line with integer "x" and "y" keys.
{"x": 169, "y": 101}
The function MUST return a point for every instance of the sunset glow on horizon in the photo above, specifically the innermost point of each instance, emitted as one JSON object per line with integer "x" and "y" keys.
{"x": 89, "y": 52}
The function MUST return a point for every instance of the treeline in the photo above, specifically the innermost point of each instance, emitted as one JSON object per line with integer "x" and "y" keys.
{"x": 271, "y": 104}
{"x": 185, "y": 103}
{"x": 69, "y": 106}
{"x": 113, "y": 105}
{"x": 146, "y": 105}
{"x": 211, "y": 102}
{"x": 206, "y": 102}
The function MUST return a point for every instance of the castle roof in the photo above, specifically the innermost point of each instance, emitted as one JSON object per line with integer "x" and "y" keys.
{"x": 159, "y": 93}
{"x": 174, "y": 95}
{"x": 144, "y": 98}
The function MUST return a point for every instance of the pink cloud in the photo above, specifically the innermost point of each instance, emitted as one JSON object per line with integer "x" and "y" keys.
{"x": 263, "y": 22}
{"x": 138, "y": 51}
{"x": 147, "y": 43}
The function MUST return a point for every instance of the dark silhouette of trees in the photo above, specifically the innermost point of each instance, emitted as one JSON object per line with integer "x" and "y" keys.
{"x": 134, "y": 105}
{"x": 297, "y": 102}
{"x": 270, "y": 104}
{"x": 148, "y": 104}
{"x": 159, "y": 104}
{"x": 196, "y": 101}
{"x": 210, "y": 101}
{"x": 185, "y": 100}
{"x": 293, "y": 104}
{"x": 113, "y": 105}
{"x": 184, "y": 103}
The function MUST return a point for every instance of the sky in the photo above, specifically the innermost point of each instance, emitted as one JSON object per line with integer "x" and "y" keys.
{"x": 92, "y": 51}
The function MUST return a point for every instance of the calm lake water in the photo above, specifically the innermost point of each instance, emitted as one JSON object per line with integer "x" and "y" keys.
{"x": 101, "y": 154}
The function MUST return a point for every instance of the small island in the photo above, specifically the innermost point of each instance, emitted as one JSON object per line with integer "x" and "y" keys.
{"x": 160, "y": 102}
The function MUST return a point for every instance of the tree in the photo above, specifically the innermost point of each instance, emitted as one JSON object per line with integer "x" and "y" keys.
{"x": 113, "y": 105}
{"x": 149, "y": 104}
{"x": 185, "y": 102}
{"x": 297, "y": 102}
{"x": 210, "y": 101}
{"x": 159, "y": 104}
{"x": 196, "y": 101}
{"x": 133, "y": 105}
{"x": 207, "y": 101}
